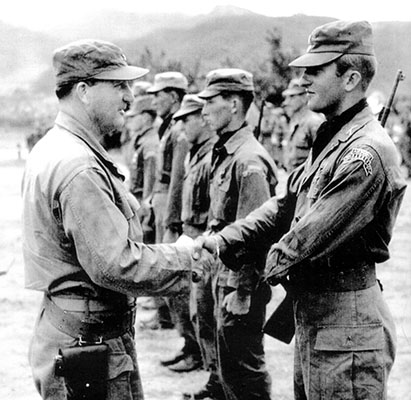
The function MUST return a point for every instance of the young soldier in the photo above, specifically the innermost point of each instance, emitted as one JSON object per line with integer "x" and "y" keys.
{"x": 332, "y": 226}
{"x": 243, "y": 176}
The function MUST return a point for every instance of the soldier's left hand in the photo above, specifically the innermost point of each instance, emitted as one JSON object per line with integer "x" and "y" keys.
{"x": 236, "y": 303}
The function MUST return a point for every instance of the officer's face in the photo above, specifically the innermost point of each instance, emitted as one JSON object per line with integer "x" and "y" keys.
{"x": 325, "y": 89}
{"x": 217, "y": 113}
{"x": 106, "y": 102}
{"x": 163, "y": 102}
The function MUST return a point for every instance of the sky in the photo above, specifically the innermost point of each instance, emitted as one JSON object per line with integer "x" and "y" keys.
{"x": 38, "y": 14}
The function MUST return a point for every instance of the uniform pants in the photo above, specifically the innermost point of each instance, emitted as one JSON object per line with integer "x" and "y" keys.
{"x": 344, "y": 345}
{"x": 240, "y": 348}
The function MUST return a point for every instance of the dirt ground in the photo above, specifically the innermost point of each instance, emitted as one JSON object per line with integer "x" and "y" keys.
{"x": 18, "y": 307}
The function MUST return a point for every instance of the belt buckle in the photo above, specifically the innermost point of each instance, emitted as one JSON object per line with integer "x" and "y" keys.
{"x": 83, "y": 342}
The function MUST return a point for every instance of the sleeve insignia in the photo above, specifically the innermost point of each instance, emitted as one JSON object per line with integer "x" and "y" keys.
{"x": 362, "y": 155}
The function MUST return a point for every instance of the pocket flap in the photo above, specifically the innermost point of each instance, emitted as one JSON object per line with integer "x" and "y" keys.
{"x": 350, "y": 338}
{"x": 119, "y": 363}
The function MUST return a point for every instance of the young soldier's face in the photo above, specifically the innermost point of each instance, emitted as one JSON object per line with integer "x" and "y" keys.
{"x": 325, "y": 89}
{"x": 193, "y": 127}
{"x": 217, "y": 113}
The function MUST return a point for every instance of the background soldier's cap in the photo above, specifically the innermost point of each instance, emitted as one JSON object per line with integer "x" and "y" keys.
{"x": 92, "y": 59}
{"x": 191, "y": 103}
{"x": 330, "y": 41}
{"x": 170, "y": 79}
{"x": 227, "y": 79}
{"x": 294, "y": 88}
{"x": 141, "y": 104}
{"x": 139, "y": 88}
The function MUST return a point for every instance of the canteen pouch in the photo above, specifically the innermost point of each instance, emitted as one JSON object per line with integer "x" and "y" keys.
{"x": 84, "y": 369}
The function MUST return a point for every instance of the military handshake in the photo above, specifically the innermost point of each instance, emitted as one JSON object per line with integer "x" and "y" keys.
{"x": 321, "y": 239}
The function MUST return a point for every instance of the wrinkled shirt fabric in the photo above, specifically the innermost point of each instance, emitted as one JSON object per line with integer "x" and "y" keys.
{"x": 336, "y": 217}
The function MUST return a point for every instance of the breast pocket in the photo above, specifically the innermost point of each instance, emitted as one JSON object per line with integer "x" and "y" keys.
{"x": 319, "y": 182}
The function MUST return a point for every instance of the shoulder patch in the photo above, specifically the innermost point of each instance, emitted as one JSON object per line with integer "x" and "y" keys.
{"x": 362, "y": 155}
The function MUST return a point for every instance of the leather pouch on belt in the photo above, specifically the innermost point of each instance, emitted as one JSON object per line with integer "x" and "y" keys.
{"x": 84, "y": 369}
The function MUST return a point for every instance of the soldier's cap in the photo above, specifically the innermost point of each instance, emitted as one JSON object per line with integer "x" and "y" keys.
{"x": 168, "y": 80}
{"x": 227, "y": 79}
{"x": 139, "y": 88}
{"x": 330, "y": 41}
{"x": 294, "y": 88}
{"x": 141, "y": 104}
{"x": 92, "y": 59}
{"x": 190, "y": 104}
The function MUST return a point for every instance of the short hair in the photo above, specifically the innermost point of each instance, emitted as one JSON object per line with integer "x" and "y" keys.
{"x": 246, "y": 97}
{"x": 180, "y": 92}
{"x": 64, "y": 90}
{"x": 365, "y": 65}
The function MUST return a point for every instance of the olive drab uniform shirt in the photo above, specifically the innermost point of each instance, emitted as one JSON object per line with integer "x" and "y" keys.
{"x": 329, "y": 230}
{"x": 143, "y": 164}
{"x": 170, "y": 171}
{"x": 81, "y": 231}
{"x": 243, "y": 176}
{"x": 196, "y": 198}
{"x": 302, "y": 130}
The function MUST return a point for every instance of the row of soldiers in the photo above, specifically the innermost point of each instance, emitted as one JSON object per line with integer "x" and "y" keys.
{"x": 188, "y": 184}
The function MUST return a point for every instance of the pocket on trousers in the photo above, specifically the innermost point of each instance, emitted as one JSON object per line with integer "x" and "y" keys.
{"x": 350, "y": 338}
{"x": 120, "y": 368}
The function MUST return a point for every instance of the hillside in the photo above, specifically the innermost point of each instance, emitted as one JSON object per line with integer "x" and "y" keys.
{"x": 227, "y": 36}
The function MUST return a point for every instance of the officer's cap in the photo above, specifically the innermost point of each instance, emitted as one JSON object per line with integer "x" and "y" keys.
{"x": 330, "y": 41}
{"x": 141, "y": 104}
{"x": 294, "y": 88}
{"x": 190, "y": 104}
{"x": 227, "y": 79}
{"x": 92, "y": 59}
{"x": 168, "y": 80}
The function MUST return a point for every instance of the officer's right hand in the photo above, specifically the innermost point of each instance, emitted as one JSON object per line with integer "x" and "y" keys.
{"x": 208, "y": 243}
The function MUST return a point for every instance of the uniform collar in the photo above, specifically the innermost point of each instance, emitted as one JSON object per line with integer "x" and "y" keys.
{"x": 88, "y": 134}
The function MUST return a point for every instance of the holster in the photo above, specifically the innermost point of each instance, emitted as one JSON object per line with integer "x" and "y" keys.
{"x": 280, "y": 325}
{"x": 84, "y": 369}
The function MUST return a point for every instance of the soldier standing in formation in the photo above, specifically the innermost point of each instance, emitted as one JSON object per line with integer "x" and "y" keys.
{"x": 301, "y": 128}
{"x": 243, "y": 176}
{"x": 332, "y": 226}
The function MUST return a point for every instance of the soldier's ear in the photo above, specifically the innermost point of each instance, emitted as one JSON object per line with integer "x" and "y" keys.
{"x": 352, "y": 79}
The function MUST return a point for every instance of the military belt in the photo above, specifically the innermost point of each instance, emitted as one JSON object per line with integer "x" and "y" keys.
{"x": 89, "y": 326}
{"x": 322, "y": 278}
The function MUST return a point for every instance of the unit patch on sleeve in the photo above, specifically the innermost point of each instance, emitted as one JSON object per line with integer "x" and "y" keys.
{"x": 362, "y": 155}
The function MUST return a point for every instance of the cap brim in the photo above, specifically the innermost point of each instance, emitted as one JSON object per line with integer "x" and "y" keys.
{"x": 126, "y": 73}
{"x": 314, "y": 59}
{"x": 208, "y": 93}
{"x": 182, "y": 113}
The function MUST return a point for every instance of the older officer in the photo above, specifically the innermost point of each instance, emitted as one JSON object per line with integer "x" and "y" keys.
{"x": 333, "y": 225}
{"x": 195, "y": 208}
{"x": 243, "y": 176}
{"x": 82, "y": 237}
{"x": 302, "y": 126}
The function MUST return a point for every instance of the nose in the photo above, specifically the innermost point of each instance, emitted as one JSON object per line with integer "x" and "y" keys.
{"x": 304, "y": 80}
{"x": 128, "y": 94}
{"x": 204, "y": 111}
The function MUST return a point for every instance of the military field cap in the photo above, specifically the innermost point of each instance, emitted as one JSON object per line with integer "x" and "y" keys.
{"x": 170, "y": 79}
{"x": 227, "y": 79}
{"x": 330, "y": 41}
{"x": 191, "y": 103}
{"x": 92, "y": 59}
{"x": 141, "y": 104}
{"x": 294, "y": 88}
{"x": 139, "y": 88}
